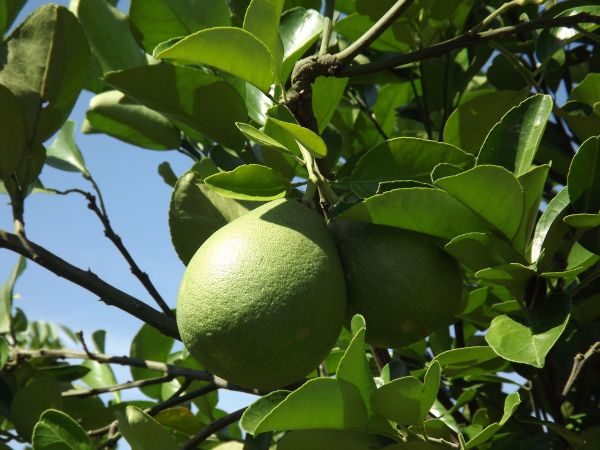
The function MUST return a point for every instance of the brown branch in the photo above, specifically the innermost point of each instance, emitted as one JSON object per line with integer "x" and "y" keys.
{"x": 110, "y": 233}
{"x": 83, "y": 393}
{"x": 91, "y": 282}
{"x": 578, "y": 363}
{"x": 211, "y": 429}
{"x": 468, "y": 39}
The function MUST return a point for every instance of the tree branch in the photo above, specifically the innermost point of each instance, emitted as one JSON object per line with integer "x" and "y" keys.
{"x": 327, "y": 26}
{"x": 348, "y": 54}
{"x": 91, "y": 282}
{"x": 213, "y": 428}
{"x": 468, "y": 39}
{"x": 109, "y": 232}
{"x": 83, "y": 393}
{"x": 578, "y": 363}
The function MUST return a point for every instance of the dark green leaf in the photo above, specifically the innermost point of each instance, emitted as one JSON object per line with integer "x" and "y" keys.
{"x": 429, "y": 211}
{"x": 582, "y": 111}
{"x": 156, "y": 21}
{"x": 111, "y": 112}
{"x": 9, "y": 9}
{"x": 197, "y": 99}
{"x": 475, "y": 187}
{"x": 142, "y": 432}
{"x": 326, "y": 96}
{"x": 299, "y": 29}
{"x": 63, "y": 372}
{"x": 511, "y": 402}
{"x": 389, "y": 98}
{"x": 328, "y": 440}
{"x": 3, "y": 351}
{"x": 64, "y": 153}
{"x": 6, "y": 295}
{"x": 12, "y": 132}
{"x": 232, "y": 50}
{"x": 514, "y": 276}
{"x": 109, "y": 34}
{"x": 56, "y": 430}
{"x": 513, "y": 141}
{"x": 584, "y": 178}
{"x": 482, "y": 250}
{"x": 582, "y": 220}
{"x": 196, "y": 213}
{"x": 468, "y": 360}
{"x": 249, "y": 182}
{"x": 527, "y": 342}
{"x": 319, "y": 403}
{"x": 48, "y": 65}
{"x": 403, "y": 158}
{"x": 469, "y": 124}
{"x": 31, "y": 401}
{"x": 150, "y": 344}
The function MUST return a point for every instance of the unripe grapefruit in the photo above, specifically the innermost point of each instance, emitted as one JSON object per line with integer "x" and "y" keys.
{"x": 400, "y": 281}
{"x": 263, "y": 299}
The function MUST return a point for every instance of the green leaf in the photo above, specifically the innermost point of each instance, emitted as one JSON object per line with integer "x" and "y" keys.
{"x": 299, "y": 29}
{"x": 150, "y": 344}
{"x": 528, "y": 342}
{"x": 56, "y": 430}
{"x": 582, "y": 220}
{"x": 9, "y": 9}
{"x": 319, "y": 403}
{"x": 112, "y": 113}
{"x": 403, "y": 158}
{"x": 249, "y": 182}
{"x": 406, "y": 400}
{"x": 48, "y": 65}
{"x": 582, "y": 111}
{"x": 4, "y": 351}
{"x": 532, "y": 183}
{"x": 328, "y": 440}
{"x": 100, "y": 375}
{"x": 262, "y": 20}
{"x": 475, "y": 187}
{"x": 64, "y": 153}
{"x": 258, "y": 410}
{"x": 31, "y": 401}
{"x": 156, "y": 21}
{"x": 482, "y": 250}
{"x": 513, "y": 142}
{"x": 196, "y": 213}
{"x": 229, "y": 49}
{"x": 468, "y": 361}
{"x": 584, "y": 177}
{"x": 469, "y": 124}
{"x": 12, "y": 132}
{"x": 550, "y": 226}
{"x": 511, "y": 402}
{"x": 194, "y": 98}
{"x": 6, "y": 295}
{"x": 261, "y": 138}
{"x": 514, "y": 276}
{"x": 429, "y": 211}
{"x": 354, "y": 367}
{"x": 142, "y": 432}
{"x": 310, "y": 140}
{"x": 109, "y": 34}
{"x": 389, "y": 97}
{"x": 326, "y": 95}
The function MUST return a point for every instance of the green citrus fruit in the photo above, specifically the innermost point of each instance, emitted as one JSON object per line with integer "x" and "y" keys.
{"x": 400, "y": 281}
{"x": 263, "y": 299}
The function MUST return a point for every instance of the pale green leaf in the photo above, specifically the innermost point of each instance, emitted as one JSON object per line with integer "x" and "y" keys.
{"x": 142, "y": 432}
{"x": 249, "y": 182}
{"x": 64, "y": 153}
{"x": 56, "y": 430}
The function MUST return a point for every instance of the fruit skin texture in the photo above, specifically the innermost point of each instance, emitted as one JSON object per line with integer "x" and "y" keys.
{"x": 400, "y": 281}
{"x": 263, "y": 300}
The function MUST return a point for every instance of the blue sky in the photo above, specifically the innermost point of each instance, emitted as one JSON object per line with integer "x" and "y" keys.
{"x": 137, "y": 200}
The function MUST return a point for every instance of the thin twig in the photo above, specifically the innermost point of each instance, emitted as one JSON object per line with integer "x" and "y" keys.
{"x": 213, "y": 428}
{"x": 83, "y": 393}
{"x": 369, "y": 113}
{"x": 91, "y": 282}
{"x": 465, "y": 40}
{"x": 327, "y": 26}
{"x": 110, "y": 233}
{"x": 578, "y": 363}
{"x": 348, "y": 54}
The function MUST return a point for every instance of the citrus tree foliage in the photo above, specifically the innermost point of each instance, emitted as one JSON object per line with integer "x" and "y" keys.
{"x": 475, "y": 122}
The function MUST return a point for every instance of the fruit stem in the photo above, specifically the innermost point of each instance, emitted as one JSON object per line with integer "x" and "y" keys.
{"x": 326, "y": 194}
